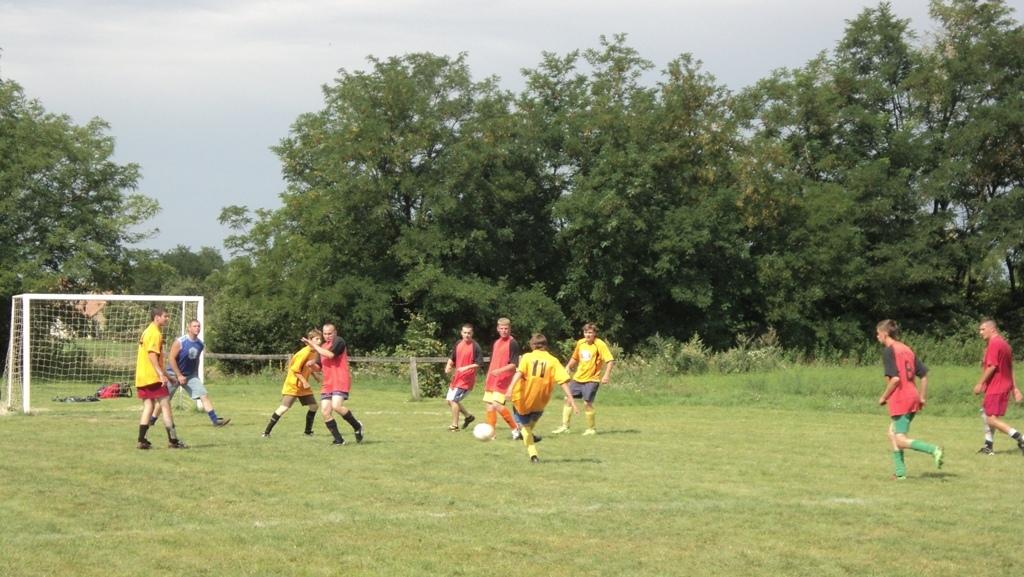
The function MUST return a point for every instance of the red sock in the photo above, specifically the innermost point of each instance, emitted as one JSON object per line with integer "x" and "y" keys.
{"x": 508, "y": 418}
{"x": 492, "y": 419}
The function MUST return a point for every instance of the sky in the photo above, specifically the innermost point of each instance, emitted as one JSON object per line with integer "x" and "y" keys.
{"x": 197, "y": 91}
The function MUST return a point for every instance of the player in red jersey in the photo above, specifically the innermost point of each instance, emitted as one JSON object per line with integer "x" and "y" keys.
{"x": 504, "y": 359}
{"x": 997, "y": 383}
{"x": 465, "y": 359}
{"x": 902, "y": 396}
{"x": 337, "y": 381}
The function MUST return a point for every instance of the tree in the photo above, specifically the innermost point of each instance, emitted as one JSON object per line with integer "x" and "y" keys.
{"x": 972, "y": 118}
{"x": 833, "y": 196}
{"x": 67, "y": 213}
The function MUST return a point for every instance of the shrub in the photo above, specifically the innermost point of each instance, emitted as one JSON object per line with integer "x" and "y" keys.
{"x": 420, "y": 340}
{"x": 750, "y": 354}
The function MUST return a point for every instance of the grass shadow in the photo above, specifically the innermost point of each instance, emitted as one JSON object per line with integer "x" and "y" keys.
{"x": 939, "y": 475}
{"x": 602, "y": 433}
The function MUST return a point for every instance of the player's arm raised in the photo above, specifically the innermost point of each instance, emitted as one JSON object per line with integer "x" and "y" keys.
{"x": 319, "y": 349}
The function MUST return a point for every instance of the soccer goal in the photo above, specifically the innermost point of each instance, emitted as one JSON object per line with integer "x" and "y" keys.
{"x": 70, "y": 345}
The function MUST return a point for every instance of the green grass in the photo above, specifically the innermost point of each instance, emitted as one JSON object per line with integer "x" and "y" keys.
{"x": 785, "y": 473}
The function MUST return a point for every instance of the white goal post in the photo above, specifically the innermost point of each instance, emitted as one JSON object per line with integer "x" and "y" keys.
{"x": 71, "y": 344}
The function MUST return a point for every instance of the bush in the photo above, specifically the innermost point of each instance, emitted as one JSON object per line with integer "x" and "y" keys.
{"x": 420, "y": 340}
{"x": 750, "y": 355}
{"x": 669, "y": 356}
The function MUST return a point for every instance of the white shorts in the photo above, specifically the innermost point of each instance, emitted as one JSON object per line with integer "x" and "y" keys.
{"x": 456, "y": 395}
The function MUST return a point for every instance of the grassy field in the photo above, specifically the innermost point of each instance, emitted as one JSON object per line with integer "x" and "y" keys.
{"x": 786, "y": 473}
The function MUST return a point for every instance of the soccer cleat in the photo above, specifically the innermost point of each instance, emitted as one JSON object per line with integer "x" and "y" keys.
{"x": 308, "y": 433}
{"x": 937, "y": 455}
{"x": 339, "y": 442}
{"x": 177, "y": 444}
{"x": 360, "y": 433}
{"x": 469, "y": 419}
{"x": 1020, "y": 445}
{"x": 899, "y": 478}
{"x": 454, "y": 428}
{"x": 589, "y": 432}
{"x": 537, "y": 438}
{"x": 144, "y": 444}
{"x": 560, "y": 430}
{"x": 986, "y": 450}
{"x": 265, "y": 435}
{"x": 535, "y": 460}
{"x": 517, "y": 435}
{"x": 221, "y": 422}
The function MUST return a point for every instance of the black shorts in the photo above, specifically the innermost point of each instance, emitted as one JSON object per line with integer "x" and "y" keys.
{"x": 585, "y": 391}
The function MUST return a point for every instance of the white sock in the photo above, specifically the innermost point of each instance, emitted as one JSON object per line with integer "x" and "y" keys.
{"x": 1012, "y": 433}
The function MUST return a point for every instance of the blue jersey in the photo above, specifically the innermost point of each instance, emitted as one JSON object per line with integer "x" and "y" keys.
{"x": 188, "y": 356}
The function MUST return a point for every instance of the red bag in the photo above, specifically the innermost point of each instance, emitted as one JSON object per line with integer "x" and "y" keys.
{"x": 111, "y": 391}
{"x": 114, "y": 390}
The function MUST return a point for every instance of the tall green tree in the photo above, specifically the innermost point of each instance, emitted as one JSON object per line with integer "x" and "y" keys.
{"x": 846, "y": 238}
{"x": 972, "y": 116}
{"x": 645, "y": 192}
{"x": 68, "y": 212}
{"x": 411, "y": 191}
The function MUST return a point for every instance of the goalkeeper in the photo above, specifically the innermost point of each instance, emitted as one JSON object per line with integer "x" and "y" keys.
{"x": 183, "y": 372}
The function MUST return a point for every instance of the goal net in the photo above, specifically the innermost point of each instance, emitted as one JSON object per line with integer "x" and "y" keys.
{"x": 64, "y": 345}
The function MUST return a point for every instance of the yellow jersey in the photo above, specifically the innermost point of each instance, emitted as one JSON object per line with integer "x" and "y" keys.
{"x": 151, "y": 341}
{"x": 297, "y": 366}
{"x": 539, "y": 373}
{"x": 591, "y": 359}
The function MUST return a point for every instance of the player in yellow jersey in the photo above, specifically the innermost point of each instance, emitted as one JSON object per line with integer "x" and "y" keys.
{"x": 531, "y": 387}
{"x": 302, "y": 365}
{"x": 151, "y": 380}
{"x": 593, "y": 362}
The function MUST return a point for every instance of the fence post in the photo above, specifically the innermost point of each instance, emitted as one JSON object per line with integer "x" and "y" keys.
{"x": 414, "y": 379}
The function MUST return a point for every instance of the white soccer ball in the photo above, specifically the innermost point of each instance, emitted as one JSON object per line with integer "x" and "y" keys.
{"x": 483, "y": 432}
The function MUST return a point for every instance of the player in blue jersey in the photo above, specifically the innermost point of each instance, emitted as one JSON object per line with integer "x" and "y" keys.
{"x": 183, "y": 371}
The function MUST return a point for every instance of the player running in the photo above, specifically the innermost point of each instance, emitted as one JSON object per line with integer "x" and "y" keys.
{"x": 901, "y": 395}
{"x": 504, "y": 358}
{"x": 531, "y": 387}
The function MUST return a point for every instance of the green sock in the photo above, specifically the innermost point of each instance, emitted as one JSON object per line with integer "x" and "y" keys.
{"x": 897, "y": 459}
{"x": 923, "y": 447}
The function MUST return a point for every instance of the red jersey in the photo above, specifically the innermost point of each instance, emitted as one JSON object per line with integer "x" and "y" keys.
{"x": 465, "y": 354}
{"x": 901, "y": 362}
{"x": 335, "y": 371}
{"x": 505, "y": 352}
{"x": 999, "y": 355}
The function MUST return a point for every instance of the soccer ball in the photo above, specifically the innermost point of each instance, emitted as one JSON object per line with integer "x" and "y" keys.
{"x": 483, "y": 432}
